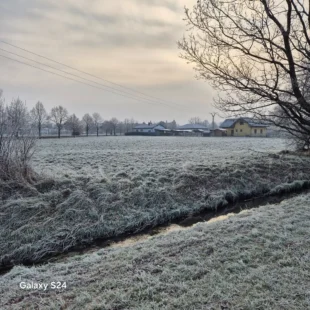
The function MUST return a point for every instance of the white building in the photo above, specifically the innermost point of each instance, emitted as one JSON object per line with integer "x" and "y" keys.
{"x": 151, "y": 128}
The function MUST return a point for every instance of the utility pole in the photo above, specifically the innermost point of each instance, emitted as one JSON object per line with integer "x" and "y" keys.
{"x": 213, "y": 124}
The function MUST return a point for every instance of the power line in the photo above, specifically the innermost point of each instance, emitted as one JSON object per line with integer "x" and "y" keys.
{"x": 89, "y": 74}
{"x": 115, "y": 90}
{"x": 68, "y": 78}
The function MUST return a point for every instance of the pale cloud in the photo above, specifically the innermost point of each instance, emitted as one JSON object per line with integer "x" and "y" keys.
{"x": 132, "y": 42}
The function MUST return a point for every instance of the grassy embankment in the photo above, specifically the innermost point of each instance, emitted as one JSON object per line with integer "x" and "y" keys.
{"x": 258, "y": 259}
{"x": 55, "y": 216}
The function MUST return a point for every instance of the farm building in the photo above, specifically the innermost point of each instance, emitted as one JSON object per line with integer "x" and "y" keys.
{"x": 219, "y": 132}
{"x": 244, "y": 127}
{"x": 149, "y": 128}
{"x": 193, "y": 129}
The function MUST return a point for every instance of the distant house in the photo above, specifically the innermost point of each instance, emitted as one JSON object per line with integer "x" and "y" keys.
{"x": 244, "y": 127}
{"x": 149, "y": 128}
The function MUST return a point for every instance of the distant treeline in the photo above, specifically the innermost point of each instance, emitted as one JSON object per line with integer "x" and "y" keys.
{"x": 59, "y": 122}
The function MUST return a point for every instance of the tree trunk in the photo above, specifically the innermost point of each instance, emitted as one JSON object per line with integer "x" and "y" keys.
{"x": 58, "y": 132}
{"x": 97, "y": 132}
{"x": 39, "y": 130}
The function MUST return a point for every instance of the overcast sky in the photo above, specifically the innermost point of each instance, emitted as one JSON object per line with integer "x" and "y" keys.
{"x": 129, "y": 42}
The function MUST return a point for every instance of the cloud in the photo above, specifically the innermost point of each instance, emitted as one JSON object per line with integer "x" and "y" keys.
{"x": 131, "y": 42}
{"x": 22, "y": 9}
{"x": 170, "y": 4}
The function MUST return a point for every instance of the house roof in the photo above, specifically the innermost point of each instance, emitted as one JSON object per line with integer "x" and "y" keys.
{"x": 230, "y": 122}
{"x": 146, "y": 126}
{"x": 194, "y": 126}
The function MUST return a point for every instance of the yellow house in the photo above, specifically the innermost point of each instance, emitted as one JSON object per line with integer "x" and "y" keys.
{"x": 244, "y": 127}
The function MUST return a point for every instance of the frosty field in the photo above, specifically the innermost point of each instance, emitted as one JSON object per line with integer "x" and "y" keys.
{"x": 105, "y": 156}
{"x": 97, "y": 188}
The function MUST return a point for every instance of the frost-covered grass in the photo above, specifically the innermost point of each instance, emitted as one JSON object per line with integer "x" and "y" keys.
{"x": 100, "y": 157}
{"x": 143, "y": 183}
{"x": 258, "y": 259}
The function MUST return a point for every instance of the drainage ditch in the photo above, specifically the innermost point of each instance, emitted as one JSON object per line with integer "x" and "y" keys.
{"x": 178, "y": 224}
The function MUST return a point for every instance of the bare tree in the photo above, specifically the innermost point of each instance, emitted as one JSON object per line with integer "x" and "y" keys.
{"x": 127, "y": 124}
{"x": 299, "y": 140}
{"x": 17, "y": 116}
{"x": 59, "y": 115}
{"x": 107, "y": 127}
{"x": 114, "y": 123}
{"x": 121, "y": 127}
{"x": 88, "y": 120}
{"x": 195, "y": 120}
{"x": 133, "y": 123}
{"x": 257, "y": 54}
{"x": 173, "y": 125}
{"x": 74, "y": 125}
{"x": 97, "y": 122}
{"x": 17, "y": 143}
{"x": 39, "y": 116}
{"x": 205, "y": 123}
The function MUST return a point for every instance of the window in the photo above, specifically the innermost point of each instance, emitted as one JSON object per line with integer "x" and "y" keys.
{"x": 240, "y": 130}
{"x": 261, "y": 131}
{"x": 236, "y": 130}
{"x": 241, "y": 123}
{"x": 255, "y": 131}
{"x": 149, "y": 130}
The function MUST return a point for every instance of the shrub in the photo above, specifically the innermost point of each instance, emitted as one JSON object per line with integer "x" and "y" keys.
{"x": 17, "y": 143}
